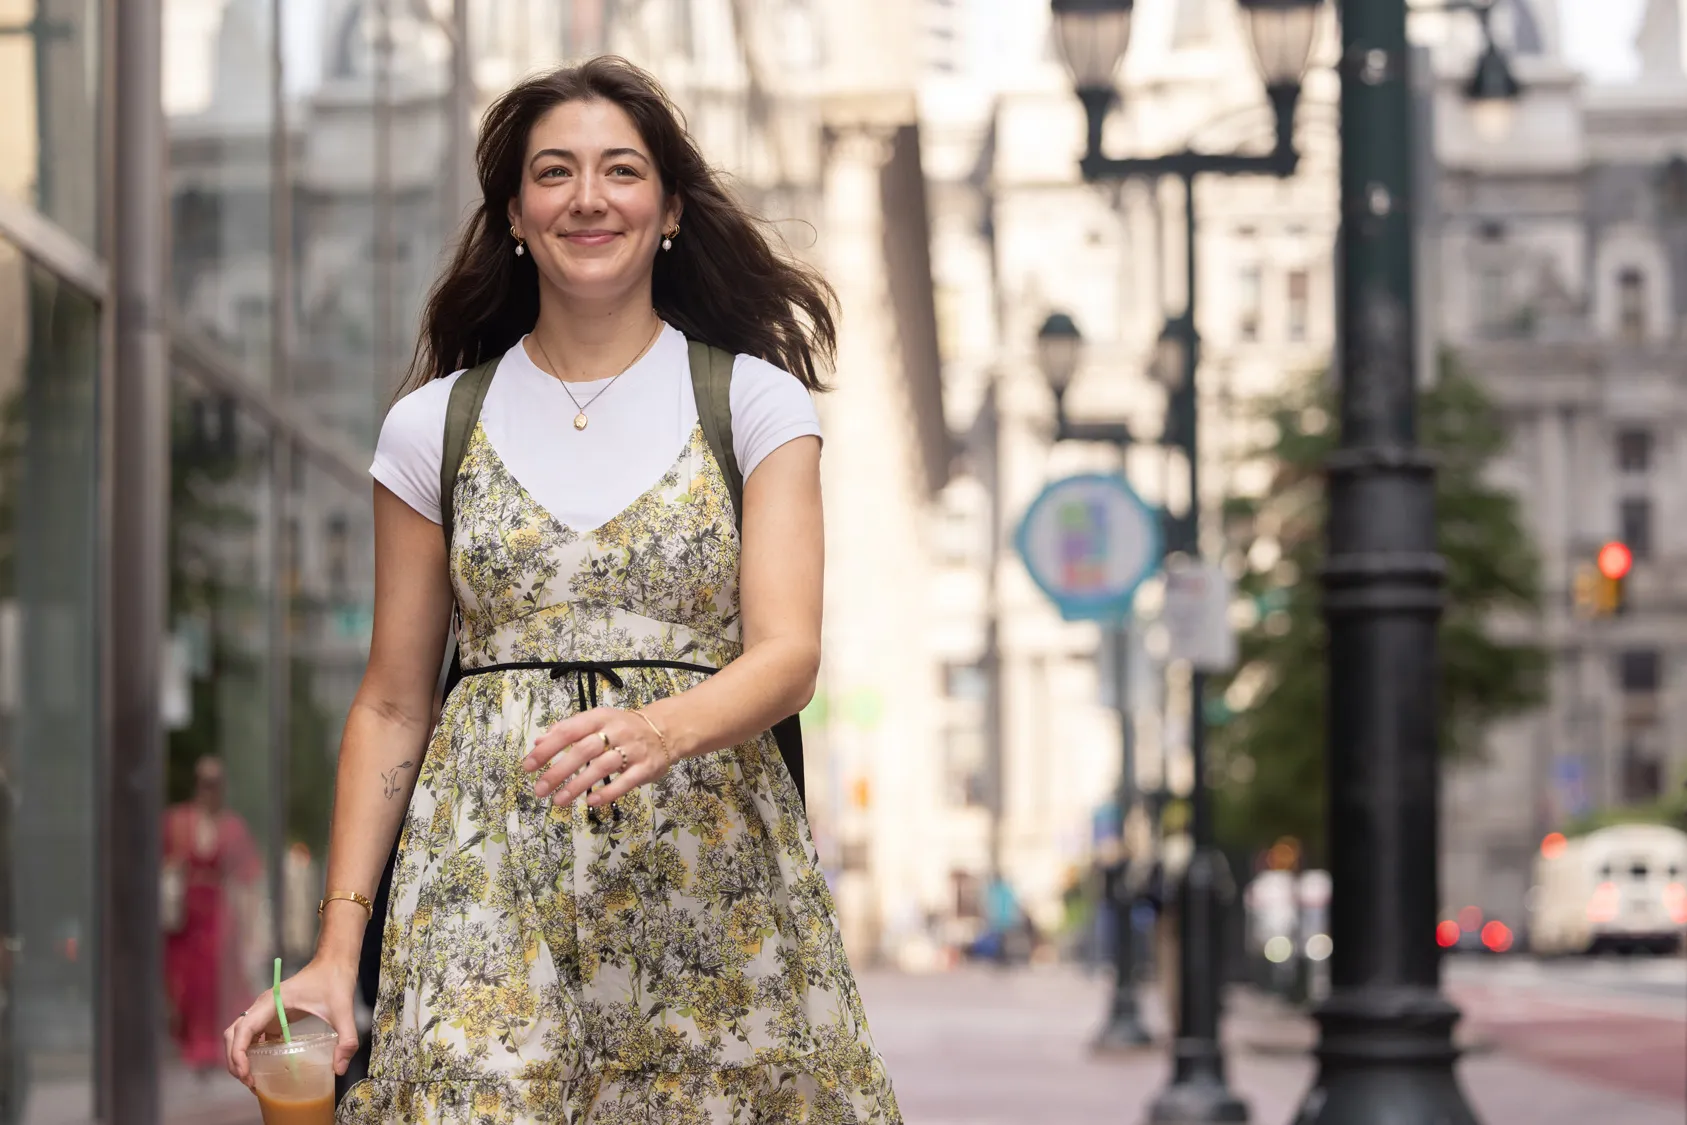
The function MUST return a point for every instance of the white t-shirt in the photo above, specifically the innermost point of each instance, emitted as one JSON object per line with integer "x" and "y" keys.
{"x": 585, "y": 478}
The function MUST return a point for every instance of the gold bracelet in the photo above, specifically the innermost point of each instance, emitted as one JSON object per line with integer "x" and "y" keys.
{"x": 347, "y": 896}
{"x": 661, "y": 739}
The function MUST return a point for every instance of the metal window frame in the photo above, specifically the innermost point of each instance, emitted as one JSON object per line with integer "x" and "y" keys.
{"x": 55, "y": 249}
{"x": 213, "y": 365}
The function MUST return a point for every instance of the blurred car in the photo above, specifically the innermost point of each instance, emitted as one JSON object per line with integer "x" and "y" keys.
{"x": 1471, "y": 931}
{"x": 1620, "y": 889}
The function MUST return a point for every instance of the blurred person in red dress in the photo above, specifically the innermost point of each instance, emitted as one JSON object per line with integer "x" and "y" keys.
{"x": 211, "y": 869}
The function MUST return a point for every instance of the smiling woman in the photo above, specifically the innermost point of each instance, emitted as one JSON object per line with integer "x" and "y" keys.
{"x": 604, "y": 135}
{"x": 605, "y": 904}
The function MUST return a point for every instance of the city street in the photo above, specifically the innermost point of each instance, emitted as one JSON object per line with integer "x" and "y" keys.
{"x": 1548, "y": 1045}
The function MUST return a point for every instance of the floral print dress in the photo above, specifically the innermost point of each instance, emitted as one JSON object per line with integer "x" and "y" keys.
{"x": 672, "y": 959}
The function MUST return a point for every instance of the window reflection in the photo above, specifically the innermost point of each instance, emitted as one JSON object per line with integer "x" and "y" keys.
{"x": 328, "y": 622}
{"x": 48, "y": 695}
{"x": 47, "y": 110}
{"x": 217, "y": 829}
{"x": 217, "y": 62}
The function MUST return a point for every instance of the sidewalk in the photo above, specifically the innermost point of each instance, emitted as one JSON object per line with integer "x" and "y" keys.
{"x": 212, "y": 1099}
{"x": 979, "y": 1046}
{"x": 983, "y": 1047}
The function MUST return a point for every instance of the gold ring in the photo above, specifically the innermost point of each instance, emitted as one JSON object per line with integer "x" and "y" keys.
{"x": 603, "y": 734}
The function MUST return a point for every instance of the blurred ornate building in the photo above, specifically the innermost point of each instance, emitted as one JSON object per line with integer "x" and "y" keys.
{"x": 1034, "y": 733}
{"x": 1558, "y": 249}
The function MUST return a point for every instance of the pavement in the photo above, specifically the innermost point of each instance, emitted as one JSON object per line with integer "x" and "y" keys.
{"x": 980, "y": 1046}
{"x": 1569, "y": 1043}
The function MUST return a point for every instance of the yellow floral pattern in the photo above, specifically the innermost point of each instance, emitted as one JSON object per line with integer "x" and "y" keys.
{"x": 673, "y": 960}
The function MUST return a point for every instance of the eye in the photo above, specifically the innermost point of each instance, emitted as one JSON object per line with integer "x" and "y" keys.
{"x": 557, "y": 169}
{"x": 624, "y": 168}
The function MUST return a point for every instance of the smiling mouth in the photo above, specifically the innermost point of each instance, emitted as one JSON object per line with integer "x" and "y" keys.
{"x": 590, "y": 235}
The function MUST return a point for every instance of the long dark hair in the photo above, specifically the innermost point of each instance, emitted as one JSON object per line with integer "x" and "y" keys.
{"x": 723, "y": 283}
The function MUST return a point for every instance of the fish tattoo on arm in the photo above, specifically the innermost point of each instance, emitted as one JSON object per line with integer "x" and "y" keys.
{"x": 391, "y": 786}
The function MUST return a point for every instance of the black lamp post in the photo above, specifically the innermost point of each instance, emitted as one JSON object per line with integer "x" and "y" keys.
{"x": 1059, "y": 352}
{"x": 1385, "y": 1051}
{"x": 1093, "y": 35}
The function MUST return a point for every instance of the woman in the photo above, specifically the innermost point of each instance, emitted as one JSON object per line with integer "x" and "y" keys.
{"x": 604, "y": 910}
{"x": 213, "y": 866}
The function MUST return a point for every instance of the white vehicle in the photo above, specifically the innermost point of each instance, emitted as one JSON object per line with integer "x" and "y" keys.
{"x": 1619, "y": 889}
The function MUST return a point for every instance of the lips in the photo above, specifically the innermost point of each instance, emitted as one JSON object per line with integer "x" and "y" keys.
{"x": 591, "y": 237}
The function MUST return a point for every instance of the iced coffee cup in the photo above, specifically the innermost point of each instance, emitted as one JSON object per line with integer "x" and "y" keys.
{"x": 295, "y": 1080}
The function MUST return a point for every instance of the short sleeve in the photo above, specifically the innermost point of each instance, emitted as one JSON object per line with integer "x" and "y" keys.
{"x": 412, "y": 444}
{"x": 769, "y": 408}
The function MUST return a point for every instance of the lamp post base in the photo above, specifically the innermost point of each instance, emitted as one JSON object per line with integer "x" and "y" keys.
{"x": 1386, "y": 1058}
{"x": 1199, "y": 1096}
{"x": 1123, "y": 1030}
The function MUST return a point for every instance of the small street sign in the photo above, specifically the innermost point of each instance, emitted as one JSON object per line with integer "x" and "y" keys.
{"x": 1089, "y": 541}
{"x": 1197, "y": 617}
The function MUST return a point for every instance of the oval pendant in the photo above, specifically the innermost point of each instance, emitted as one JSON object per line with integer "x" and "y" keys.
{"x": 580, "y": 420}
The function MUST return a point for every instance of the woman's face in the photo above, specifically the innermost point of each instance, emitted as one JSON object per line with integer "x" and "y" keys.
{"x": 591, "y": 206}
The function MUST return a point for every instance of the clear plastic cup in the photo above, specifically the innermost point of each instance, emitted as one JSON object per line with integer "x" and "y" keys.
{"x": 295, "y": 1080}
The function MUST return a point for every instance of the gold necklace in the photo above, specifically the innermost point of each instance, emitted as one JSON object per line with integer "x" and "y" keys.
{"x": 580, "y": 419}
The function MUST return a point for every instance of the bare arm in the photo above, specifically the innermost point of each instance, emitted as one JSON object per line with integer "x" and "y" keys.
{"x": 780, "y": 580}
{"x": 390, "y": 719}
{"x": 380, "y": 753}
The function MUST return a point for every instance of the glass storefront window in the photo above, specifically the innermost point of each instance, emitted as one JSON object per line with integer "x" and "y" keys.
{"x": 49, "y": 139}
{"x": 219, "y": 824}
{"x": 331, "y": 591}
{"x": 49, "y": 695}
{"x": 218, "y": 104}
{"x": 371, "y": 209}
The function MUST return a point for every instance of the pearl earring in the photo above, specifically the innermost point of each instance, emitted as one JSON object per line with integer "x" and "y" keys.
{"x": 520, "y": 246}
{"x": 668, "y": 239}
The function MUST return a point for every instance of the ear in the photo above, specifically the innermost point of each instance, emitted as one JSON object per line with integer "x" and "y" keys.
{"x": 671, "y": 213}
{"x": 514, "y": 214}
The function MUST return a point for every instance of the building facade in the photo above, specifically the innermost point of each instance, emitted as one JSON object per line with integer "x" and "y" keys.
{"x": 1035, "y": 739}
{"x": 1559, "y": 253}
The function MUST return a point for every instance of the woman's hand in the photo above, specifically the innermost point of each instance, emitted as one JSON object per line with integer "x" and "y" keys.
{"x": 320, "y": 989}
{"x": 594, "y": 745}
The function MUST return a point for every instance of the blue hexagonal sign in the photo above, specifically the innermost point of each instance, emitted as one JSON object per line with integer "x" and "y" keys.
{"x": 1089, "y": 541}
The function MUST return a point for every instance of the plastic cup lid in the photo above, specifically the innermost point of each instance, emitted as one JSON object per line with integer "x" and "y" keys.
{"x": 299, "y": 1045}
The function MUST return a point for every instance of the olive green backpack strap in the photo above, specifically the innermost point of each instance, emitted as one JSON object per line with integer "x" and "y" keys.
{"x": 711, "y": 381}
{"x": 462, "y": 413}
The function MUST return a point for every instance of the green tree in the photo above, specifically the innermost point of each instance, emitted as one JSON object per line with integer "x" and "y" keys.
{"x": 1269, "y": 749}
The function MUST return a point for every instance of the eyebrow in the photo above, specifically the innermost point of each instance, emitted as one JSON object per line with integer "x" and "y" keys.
{"x": 608, "y": 154}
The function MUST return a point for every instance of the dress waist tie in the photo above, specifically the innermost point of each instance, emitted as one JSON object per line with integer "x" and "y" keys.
{"x": 586, "y": 673}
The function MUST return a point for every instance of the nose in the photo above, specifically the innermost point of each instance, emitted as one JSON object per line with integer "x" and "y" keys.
{"x": 588, "y": 194}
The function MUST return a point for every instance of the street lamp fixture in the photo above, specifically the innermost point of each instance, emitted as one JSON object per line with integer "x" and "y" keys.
{"x": 1093, "y": 35}
{"x": 1171, "y": 355}
{"x": 1282, "y": 32}
{"x": 1060, "y": 347}
{"x": 1493, "y": 93}
{"x": 1493, "y": 90}
{"x": 1060, "y": 350}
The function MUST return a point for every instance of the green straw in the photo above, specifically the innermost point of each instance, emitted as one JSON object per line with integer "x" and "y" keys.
{"x": 280, "y": 1011}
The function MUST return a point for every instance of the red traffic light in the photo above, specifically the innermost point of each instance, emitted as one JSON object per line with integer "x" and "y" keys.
{"x": 1615, "y": 560}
